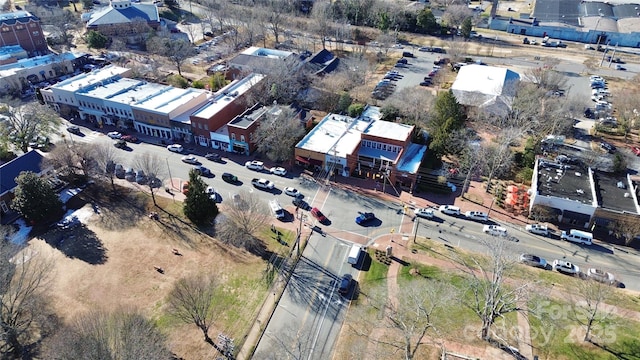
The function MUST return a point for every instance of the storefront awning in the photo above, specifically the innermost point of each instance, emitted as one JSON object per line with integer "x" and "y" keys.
{"x": 302, "y": 160}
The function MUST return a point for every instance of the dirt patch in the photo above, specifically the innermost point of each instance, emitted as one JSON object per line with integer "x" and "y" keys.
{"x": 127, "y": 276}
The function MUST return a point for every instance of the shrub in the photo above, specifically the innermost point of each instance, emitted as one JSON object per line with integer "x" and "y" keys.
{"x": 355, "y": 110}
{"x": 178, "y": 81}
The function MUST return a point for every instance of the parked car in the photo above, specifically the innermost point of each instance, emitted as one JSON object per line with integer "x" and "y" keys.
{"x": 403, "y": 61}
{"x": 68, "y": 222}
{"x": 185, "y": 187}
{"x": 345, "y": 284}
{"x": 608, "y": 147}
{"x": 407, "y": 54}
{"x": 533, "y": 260}
{"x": 291, "y": 191}
{"x": 74, "y": 130}
{"x": 494, "y": 230}
{"x": 364, "y": 218}
{"x": 316, "y": 213}
{"x": 120, "y": 144}
{"x": 118, "y": 171}
{"x": 601, "y": 276}
{"x": 476, "y": 215}
{"x": 263, "y": 184}
{"x": 280, "y": 171}
{"x": 130, "y": 175}
{"x": 449, "y": 210}
{"x": 129, "y": 138}
{"x": 141, "y": 178}
{"x": 213, "y": 157}
{"x": 211, "y": 192}
{"x": 175, "y": 148}
{"x": 425, "y": 83}
{"x": 565, "y": 267}
{"x": 538, "y": 229}
{"x": 254, "y": 165}
{"x": 635, "y": 150}
{"x": 425, "y": 213}
{"x": 190, "y": 159}
{"x": 114, "y": 135}
{"x": 203, "y": 171}
{"x": 620, "y": 67}
{"x": 230, "y": 178}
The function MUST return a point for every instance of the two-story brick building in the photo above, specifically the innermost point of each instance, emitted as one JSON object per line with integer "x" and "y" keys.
{"x": 124, "y": 18}
{"x": 364, "y": 147}
{"x": 22, "y": 28}
{"x": 209, "y": 122}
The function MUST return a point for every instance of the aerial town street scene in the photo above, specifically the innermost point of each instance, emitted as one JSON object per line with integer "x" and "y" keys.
{"x": 298, "y": 179}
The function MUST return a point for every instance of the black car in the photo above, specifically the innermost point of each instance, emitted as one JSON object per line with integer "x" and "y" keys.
{"x": 345, "y": 284}
{"x": 213, "y": 157}
{"x": 589, "y": 113}
{"x": 230, "y": 178}
{"x": 407, "y": 54}
{"x": 608, "y": 147}
{"x": 120, "y": 144}
{"x": 202, "y": 171}
{"x": 74, "y": 130}
{"x": 403, "y": 61}
{"x": 298, "y": 202}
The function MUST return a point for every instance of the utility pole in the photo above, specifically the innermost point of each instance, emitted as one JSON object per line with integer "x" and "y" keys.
{"x": 169, "y": 169}
{"x": 415, "y": 234}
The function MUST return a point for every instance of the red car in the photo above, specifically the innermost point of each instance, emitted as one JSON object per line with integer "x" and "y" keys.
{"x": 129, "y": 138}
{"x": 318, "y": 215}
{"x": 635, "y": 150}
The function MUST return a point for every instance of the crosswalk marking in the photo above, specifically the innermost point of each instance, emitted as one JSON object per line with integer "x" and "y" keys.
{"x": 87, "y": 138}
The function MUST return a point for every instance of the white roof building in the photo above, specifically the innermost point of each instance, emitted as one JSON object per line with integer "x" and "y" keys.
{"x": 488, "y": 87}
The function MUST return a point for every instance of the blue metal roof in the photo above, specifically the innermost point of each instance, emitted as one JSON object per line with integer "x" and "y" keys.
{"x": 31, "y": 161}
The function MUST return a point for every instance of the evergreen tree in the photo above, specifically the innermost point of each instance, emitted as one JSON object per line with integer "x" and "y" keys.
{"x": 448, "y": 116}
{"x": 465, "y": 28}
{"x": 198, "y": 206}
{"x": 426, "y": 22}
{"x": 35, "y": 199}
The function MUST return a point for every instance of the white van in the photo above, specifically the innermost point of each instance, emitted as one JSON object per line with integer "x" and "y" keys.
{"x": 577, "y": 236}
{"x": 354, "y": 254}
{"x": 276, "y": 209}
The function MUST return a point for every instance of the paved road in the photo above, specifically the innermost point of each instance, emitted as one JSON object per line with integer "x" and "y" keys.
{"x": 307, "y": 321}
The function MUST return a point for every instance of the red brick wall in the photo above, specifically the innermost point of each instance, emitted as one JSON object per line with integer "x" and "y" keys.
{"x": 24, "y": 32}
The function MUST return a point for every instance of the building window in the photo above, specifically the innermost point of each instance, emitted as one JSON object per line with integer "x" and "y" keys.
{"x": 384, "y": 147}
{"x": 36, "y": 33}
{"x": 19, "y": 27}
{"x": 206, "y": 127}
{"x": 233, "y": 136}
{"x": 33, "y": 25}
{"x": 242, "y": 138}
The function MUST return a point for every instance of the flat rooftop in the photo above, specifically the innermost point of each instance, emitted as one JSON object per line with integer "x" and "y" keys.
{"x": 168, "y": 100}
{"x": 87, "y": 79}
{"x": 22, "y": 64}
{"x": 562, "y": 181}
{"x": 611, "y": 192}
{"x": 248, "y": 117}
{"x": 226, "y": 96}
{"x": 109, "y": 88}
{"x": 339, "y": 135}
{"x": 131, "y": 95}
{"x": 267, "y": 53}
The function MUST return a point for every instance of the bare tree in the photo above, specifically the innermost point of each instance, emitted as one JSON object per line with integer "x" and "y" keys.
{"x": 289, "y": 344}
{"x": 106, "y": 157}
{"x": 545, "y": 76}
{"x": 154, "y": 169}
{"x": 626, "y": 228}
{"x": 23, "y": 123}
{"x": 176, "y": 51}
{"x": 454, "y": 15}
{"x": 192, "y": 300}
{"x": 590, "y": 309}
{"x": 628, "y": 108}
{"x": 487, "y": 294}
{"x": 121, "y": 334}
{"x": 457, "y": 49}
{"x": 277, "y": 134}
{"x": 277, "y": 16}
{"x": 542, "y": 213}
{"x": 73, "y": 160}
{"x": 245, "y": 216}
{"x": 410, "y": 319}
{"x": 321, "y": 17}
{"x": 24, "y": 313}
{"x": 414, "y": 105}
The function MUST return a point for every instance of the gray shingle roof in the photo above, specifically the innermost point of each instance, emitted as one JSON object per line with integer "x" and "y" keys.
{"x": 110, "y": 15}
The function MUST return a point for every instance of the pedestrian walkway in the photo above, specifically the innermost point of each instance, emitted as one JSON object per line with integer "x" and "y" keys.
{"x": 87, "y": 138}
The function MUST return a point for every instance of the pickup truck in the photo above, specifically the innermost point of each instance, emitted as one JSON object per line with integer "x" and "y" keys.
{"x": 263, "y": 184}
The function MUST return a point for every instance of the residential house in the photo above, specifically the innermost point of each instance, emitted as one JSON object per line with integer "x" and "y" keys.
{"x": 487, "y": 87}
{"x": 9, "y": 171}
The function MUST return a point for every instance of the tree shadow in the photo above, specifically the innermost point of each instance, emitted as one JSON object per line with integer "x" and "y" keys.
{"x": 313, "y": 285}
{"x": 632, "y": 349}
{"x": 79, "y": 243}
